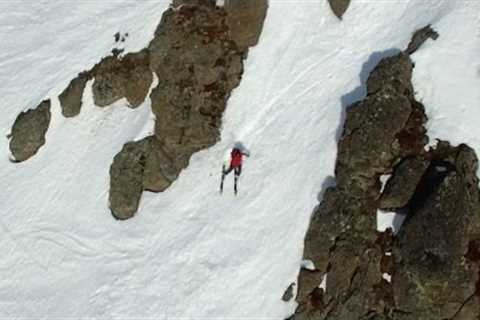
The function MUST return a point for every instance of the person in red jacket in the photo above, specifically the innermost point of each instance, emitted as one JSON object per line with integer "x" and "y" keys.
{"x": 236, "y": 159}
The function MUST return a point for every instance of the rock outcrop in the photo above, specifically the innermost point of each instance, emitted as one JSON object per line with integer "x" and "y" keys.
{"x": 122, "y": 77}
{"x": 339, "y": 7}
{"x": 28, "y": 132}
{"x": 197, "y": 55}
{"x": 433, "y": 278}
{"x": 71, "y": 97}
{"x": 198, "y": 62}
{"x": 435, "y": 262}
{"x": 139, "y": 166}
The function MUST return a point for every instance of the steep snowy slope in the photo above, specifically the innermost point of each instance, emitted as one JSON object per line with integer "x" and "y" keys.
{"x": 190, "y": 252}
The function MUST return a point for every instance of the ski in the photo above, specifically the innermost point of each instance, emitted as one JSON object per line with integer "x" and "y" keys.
{"x": 223, "y": 178}
{"x": 235, "y": 185}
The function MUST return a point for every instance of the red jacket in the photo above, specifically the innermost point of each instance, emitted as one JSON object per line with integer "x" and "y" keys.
{"x": 236, "y": 158}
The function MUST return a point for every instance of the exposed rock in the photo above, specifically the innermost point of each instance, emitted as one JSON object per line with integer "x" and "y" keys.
{"x": 401, "y": 186}
{"x": 371, "y": 143}
{"x": 71, "y": 97}
{"x": 197, "y": 65}
{"x": 122, "y": 77}
{"x": 431, "y": 279}
{"x": 139, "y": 166}
{"x": 126, "y": 180}
{"x": 339, "y": 7}
{"x": 342, "y": 238}
{"x": 288, "y": 295}
{"x": 419, "y": 37}
{"x": 28, "y": 131}
{"x": 245, "y": 20}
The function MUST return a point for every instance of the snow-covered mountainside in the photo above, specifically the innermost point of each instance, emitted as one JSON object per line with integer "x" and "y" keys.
{"x": 189, "y": 252}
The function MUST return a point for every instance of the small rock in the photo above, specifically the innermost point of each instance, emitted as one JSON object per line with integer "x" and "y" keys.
{"x": 28, "y": 131}
{"x": 288, "y": 295}
{"x": 339, "y": 7}
{"x": 419, "y": 37}
{"x": 126, "y": 180}
{"x": 71, "y": 97}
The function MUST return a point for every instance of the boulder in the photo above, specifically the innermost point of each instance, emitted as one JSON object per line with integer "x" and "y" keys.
{"x": 71, "y": 97}
{"x": 29, "y": 130}
{"x": 339, "y": 7}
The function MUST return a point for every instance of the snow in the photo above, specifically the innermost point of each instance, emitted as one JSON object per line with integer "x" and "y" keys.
{"x": 308, "y": 264}
{"x": 387, "y": 277}
{"x": 323, "y": 284}
{"x": 189, "y": 252}
{"x": 390, "y": 220}
{"x": 447, "y": 77}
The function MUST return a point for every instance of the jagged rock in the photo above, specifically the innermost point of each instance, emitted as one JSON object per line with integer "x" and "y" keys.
{"x": 419, "y": 37}
{"x": 122, "y": 77}
{"x": 431, "y": 279}
{"x": 371, "y": 143}
{"x": 342, "y": 238}
{"x": 339, "y": 7}
{"x": 71, "y": 97}
{"x": 401, "y": 186}
{"x": 28, "y": 131}
{"x": 392, "y": 75}
{"x": 245, "y": 20}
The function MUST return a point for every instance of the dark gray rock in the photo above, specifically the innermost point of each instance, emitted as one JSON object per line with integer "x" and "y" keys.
{"x": 339, "y": 7}
{"x": 288, "y": 294}
{"x": 432, "y": 279}
{"x": 401, "y": 186}
{"x": 71, "y": 97}
{"x": 419, "y": 38}
{"x": 122, "y": 77}
{"x": 28, "y": 131}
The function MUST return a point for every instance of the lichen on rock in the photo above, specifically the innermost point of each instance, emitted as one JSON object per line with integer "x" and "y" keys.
{"x": 29, "y": 130}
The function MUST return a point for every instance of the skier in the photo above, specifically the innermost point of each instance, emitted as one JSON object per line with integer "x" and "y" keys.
{"x": 236, "y": 158}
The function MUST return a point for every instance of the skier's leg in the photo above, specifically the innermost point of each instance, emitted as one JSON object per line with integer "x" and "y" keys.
{"x": 238, "y": 170}
{"x": 225, "y": 172}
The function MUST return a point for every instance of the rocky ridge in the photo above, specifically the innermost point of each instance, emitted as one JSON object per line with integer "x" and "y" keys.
{"x": 430, "y": 269}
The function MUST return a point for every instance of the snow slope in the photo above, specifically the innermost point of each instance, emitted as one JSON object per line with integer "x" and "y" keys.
{"x": 190, "y": 253}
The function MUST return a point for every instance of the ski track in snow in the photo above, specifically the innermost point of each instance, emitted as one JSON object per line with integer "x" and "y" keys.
{"x": 191, "y": 253}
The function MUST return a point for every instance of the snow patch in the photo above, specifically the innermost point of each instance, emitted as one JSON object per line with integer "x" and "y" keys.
{"x": 308, "y": 264}
{"x": 392, "y": 220}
